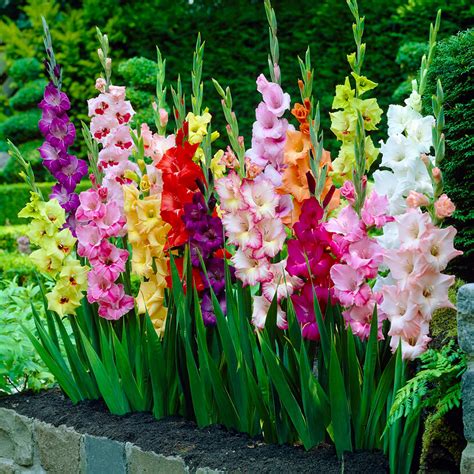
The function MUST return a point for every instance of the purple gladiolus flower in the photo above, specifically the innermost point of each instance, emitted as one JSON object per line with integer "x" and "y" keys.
{"x": 47, "y": 116}
{"x": 72, "y": 173}
{"x": 53, "y": 158}
{"x": 211, "y": 238}
{"x": 61, "y": 132}
{"x": 54, "y": 100}
{"x": 215, "y": 274}
{"x": 69, "y": 201}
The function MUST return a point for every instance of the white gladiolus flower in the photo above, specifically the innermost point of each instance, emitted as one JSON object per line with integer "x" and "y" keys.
{"x": 399, "y": 152}
{"x": 399, "y": 117}
{"x": 420, "y": 131}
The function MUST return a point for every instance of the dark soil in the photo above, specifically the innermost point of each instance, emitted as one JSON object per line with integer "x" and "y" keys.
{"x": 212, "y": 447}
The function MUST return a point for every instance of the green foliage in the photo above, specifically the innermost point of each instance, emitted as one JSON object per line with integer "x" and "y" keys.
{"x": 16, "y": 265}
{"x": 13, "y": 198}
{"x": 20, "y": 366}
{"x": 436, "y": 386}
{"x": 29, "y": 95}
{"x": 22, "y": 127}
{"x": 139, "y": 72}
{"x": 29, "y": 150}
{"x": 409, "y": 56}
{"x": 8, "y": 236}
{"x": 454, "y": 66}
{"x": 25, "y": 70}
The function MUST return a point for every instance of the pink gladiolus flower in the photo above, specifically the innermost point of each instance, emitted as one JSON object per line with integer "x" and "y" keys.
{"x": 260, "y": 197}
{"x": 273, "y": 96}
{"x": 282, "y": 283}
{"x": 347, "y": 224}
{"x": 89, "y": 239}
{"x": 98, "y": 287}
{"x": 91, "y": 206}
{"x": 112, "y": 223}
{"x": 116, "y": 304}
{"x": 374, "y": 211}
{"x": 228, "y": 189}
{"x": 416, "y": 199}
{"x": 430, "y": 291}
{"x": 260, "y": 310}
{"x": 438, "y": 247}
{"x": 412, "y": 227}
{"x": 110, "y": 261}
{"x": 273, "y": 237}
{"x": 413, "y": 347}
{"x": 251, "y": 270}
{"x": 366, "y": 255}
{"x": 267, "y": 125}
{"x": 349, "y": 285}
{"x": 405, "y": 265}
{"x": 444, "y": 207}
{"x": 348, "y": 192}
{"x": 241, "y": 230}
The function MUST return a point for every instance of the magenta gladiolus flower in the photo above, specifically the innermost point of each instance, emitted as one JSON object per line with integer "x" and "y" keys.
{"x": 54, "y": 100}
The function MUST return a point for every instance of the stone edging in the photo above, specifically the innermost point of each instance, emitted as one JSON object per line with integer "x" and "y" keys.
{"x": 31, "y": 446}
{"x": 465, "y": 307}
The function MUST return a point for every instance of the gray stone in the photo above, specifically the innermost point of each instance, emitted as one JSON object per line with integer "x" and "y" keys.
{"x": 141, "y": 462}
{"x": 103, "y": 455}
{"x": 4, "y": 157}
{"x": 58, "y": 448}
{"x": 467, "y": 459}
{"x": 208, "y": 470}
{"x": 465, "y": 306}
{"x": 468, "y": 402}
{"x": 7, "y": 466}
{"x": 16, "y": 437}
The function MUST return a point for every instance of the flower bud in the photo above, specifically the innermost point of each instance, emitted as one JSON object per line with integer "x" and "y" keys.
{"x": 444, "y": 207}
{"x": 436, "y": 174}
{"x": 100, "y": 84}
{"x": 416, "y": 199}
{"x": 348, "y": 192}
{"x": 163, "y": 117}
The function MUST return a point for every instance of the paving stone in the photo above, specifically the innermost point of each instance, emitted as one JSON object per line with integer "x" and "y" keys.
{"x": 467, "y": 459}
{"x": 16, "y": 437}
{"x": 103, "y": 456}
{"x": 142, "y": 462}
{"x": 465, "y": 307}
{"x": 7, "y": 466}
{"x": 58, "y": 448}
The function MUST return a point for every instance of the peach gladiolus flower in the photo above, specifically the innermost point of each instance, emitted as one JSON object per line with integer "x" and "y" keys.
{"x": 444, "y": 207}
{"x": 416, "y": 199}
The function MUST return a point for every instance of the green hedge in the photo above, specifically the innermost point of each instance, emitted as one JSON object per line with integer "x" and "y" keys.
{"x": 454, "y": 66}
{"x": 8, "y": 236}
{"x": 29, "y": 95}
{"x": 13, "y": 197}
{"x": 16, "y": 265}
{"x": 25, "y": 70}
{"x": 22, "y": 127}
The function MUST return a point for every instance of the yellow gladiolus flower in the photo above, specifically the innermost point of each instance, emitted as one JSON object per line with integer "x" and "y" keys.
{"x": 344, "y": 93}
{"x": 199, "y": 156}
{"x": 74, "y": 274}
{"x": 150, "y": 299}
{"x": 343, "y": 124}
{"x": 148, "y": 214}
{"x": 363, "y": 84}
{"x": 370, "y": 110}
{"x": 32, "y": 208}
{"x": 217, "y": 168}
{"x": 64, "y": 299}
{"x": 46, "y": 262}
{"x": 61, "y": 244}
{"x": 198, "y": 126}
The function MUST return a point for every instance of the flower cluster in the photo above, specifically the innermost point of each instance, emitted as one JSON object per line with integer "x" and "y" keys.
{"x": 147, "y": 236}
{"x": 55, "y": 256}
{"x": 99, "y": 219}
{"x": 310, "y": 257}
{"x": 252, "y": 217}
{"x": 181, "y": 178}
{"x": 405, "y": 154}
{"x": 111, "y": 115}
{"x": 344, "y": 121}
{"x": 415, "y": 287}
{"x": 206, "y": 241}
{"x": 360, "y": 256}
{"x": 59, "y": 133}
{"x": 269, "y": 130}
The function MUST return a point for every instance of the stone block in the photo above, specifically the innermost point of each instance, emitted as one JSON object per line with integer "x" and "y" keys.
{"x": 7, "y": 466}
{"x": 468, "y": 402}
{"x": 103, "y": 455}
{"x": 465, "y": 307}
{"x": 16, "y": 437}
{"x": 467, "y": 459}
{"x": 208, "y": 470}
{"x": 142, "y": 462}
{"x": 58, "y": 448}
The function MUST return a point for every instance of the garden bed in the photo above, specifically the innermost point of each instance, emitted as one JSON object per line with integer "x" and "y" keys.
{"x": 211, "y": 447}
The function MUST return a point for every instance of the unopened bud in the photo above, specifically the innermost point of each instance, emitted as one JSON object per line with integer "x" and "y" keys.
{"x": 163, "y": 117}
{"x": 436, "y": 174}
{"x": 415, "y": 199}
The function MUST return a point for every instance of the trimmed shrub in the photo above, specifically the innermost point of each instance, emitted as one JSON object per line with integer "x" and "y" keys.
{"x": 29, "y": 95}
{"x": 25, "y": 70}
{"x": 139, "y": 71}
{"x": 454, "y": 66}
{"x": 14, "y": 196}
{"x": 16, "y": 265}
{"x": 8, "y": 236}
{"x": 22, "y": 127}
